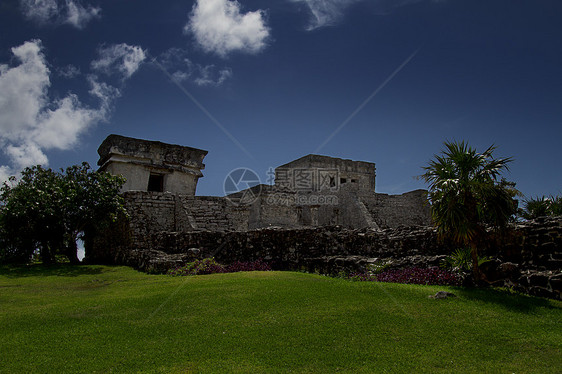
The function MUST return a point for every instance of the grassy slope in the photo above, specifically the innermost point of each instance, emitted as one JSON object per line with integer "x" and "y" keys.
{"x": 114, "y": 319}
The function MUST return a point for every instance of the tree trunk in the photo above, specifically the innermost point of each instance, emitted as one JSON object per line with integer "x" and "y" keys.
{"x": 46, "y": 255}
{"x": 72, "y": 252}
{"x": 475, "y": 269}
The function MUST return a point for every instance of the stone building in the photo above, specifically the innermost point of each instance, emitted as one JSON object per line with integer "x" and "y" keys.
{"x": 311, "y": 191}
{"x": 152, "y": 166}
{"x": 323, "y": 173}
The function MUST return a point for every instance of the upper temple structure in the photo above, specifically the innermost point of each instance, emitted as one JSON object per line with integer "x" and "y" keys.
{"x": 152, "y": 166}
{"x": 326, "y": 173}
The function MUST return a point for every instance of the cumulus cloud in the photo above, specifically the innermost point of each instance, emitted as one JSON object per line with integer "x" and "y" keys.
{"x": 181, "y": 68}
{"x": 220, "y": 27}
{"x": 120, "y": 59}
{"x": 31, "y": 122}
{"x": 59, "y": 11}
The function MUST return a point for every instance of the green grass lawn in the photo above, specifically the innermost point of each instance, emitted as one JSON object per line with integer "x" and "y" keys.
{"x": 115, "y": 319}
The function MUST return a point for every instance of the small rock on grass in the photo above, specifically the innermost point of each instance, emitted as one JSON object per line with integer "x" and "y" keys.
{"x": 442, "y": 295}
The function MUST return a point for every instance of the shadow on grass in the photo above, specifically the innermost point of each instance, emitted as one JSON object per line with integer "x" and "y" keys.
{"x": 60, "y": 270}
{"x": 510, "y": 300}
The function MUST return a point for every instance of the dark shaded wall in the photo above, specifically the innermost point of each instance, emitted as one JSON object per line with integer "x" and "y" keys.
{"x": 529, "y": 255}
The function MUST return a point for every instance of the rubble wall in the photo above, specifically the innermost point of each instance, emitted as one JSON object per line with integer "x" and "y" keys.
{"x": 528, "y": 257}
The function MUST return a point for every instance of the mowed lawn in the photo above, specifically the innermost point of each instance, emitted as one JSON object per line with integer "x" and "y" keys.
{"x": 115, "y": 319}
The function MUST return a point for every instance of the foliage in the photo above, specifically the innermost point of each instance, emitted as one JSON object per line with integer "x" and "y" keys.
{"x": 211, "y": 266}
{"x": 258, "y": 265}
{"x": 410, "y": 275}
{"x": 360, "y": 277}
{"x": 461, "y": 259}
{"x": 541, "y": 206}
{"x": 100, "y": 319}
{"x": 427, "y": 276}
{"x": 49, "y": 210}
{"x": 467, "y": 194}
{"x": 379, "y": 266}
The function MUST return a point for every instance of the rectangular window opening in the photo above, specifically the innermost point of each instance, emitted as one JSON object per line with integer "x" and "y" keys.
{"x": 156, "y": 183}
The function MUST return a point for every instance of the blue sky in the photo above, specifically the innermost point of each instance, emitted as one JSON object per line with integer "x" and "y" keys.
{"x": 261, "y": 83}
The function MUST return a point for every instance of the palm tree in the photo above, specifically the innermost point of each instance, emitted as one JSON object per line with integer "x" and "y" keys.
{"x": 467, "y": 195}
{"x": 541, "y": 206}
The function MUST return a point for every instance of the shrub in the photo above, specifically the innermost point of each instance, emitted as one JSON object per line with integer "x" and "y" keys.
{"x": 461, "y": 260}
{"x": 428, "y": 276}
{"x": 412, "y": 275}
{"x": 258, "y": 265}
{"x": 211, "y": 266}
{"x": 199, "y": 267}
{"x": 379, "y": 266}
{"x": 361, "y": 277}
{"x": 535, "y": 207}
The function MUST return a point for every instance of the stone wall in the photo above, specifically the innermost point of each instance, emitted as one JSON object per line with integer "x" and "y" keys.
{"x": 410, "y": 208}
{"x": 153, "y": 212}
{"x": 290, "y": 209}
{"x": 211, "y": 213}
{"x": 528, "y": 257}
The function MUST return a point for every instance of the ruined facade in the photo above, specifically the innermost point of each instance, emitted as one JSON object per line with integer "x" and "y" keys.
{"x": 323, "y": 173}
{"x": 152, "y": 166}
{"x": 311, "y": 191}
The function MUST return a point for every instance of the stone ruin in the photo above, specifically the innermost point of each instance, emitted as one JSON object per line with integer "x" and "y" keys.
{"x": 311, "y": 191}
{"x": 321, "y": 214}
{"x": 152, "y": 166}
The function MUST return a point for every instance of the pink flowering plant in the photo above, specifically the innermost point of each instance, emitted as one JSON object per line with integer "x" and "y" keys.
{"x": 411, "y": 275}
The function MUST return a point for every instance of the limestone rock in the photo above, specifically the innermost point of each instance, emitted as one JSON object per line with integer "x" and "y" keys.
{"x": 442, "y": 295}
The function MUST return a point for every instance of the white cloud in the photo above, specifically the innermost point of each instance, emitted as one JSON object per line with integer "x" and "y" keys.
{"x": 31, "y": 122}
{"x": 219, "y": 27}
{"x": 325, "y": 12}
{"x": 119, "y": 58}
{"x": 23, "y": 89}
{"x": 181, "y": 68}
{"x": 104, "y": 92}
{"x": 26, "y": 154}
{"x": 59, "y": 11}
{"x": 41, "y": 11}
{"x": 5, "y": 173}
{"x": 78, "y": 15}
{"x": 210, "y": 77}
{"x": 68, "y": 72}
{"x": 176, "y": 62}
{"x": 329, "y": 12}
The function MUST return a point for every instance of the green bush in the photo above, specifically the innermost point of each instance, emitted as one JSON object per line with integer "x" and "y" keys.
{"x": 461, "y": 260}
{"x": 535, "y": 207}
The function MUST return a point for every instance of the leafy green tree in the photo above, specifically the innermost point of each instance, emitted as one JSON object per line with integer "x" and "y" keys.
{"x": 467, "y": 195}
{"x": 48, "y": 210}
